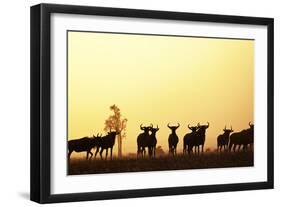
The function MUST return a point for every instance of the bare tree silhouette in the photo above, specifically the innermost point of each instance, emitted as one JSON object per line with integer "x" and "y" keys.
{"x": 118, "y": 124}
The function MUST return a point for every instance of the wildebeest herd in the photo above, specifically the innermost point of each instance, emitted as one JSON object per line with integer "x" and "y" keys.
{"x": 227, "y": 141}
{"x": 86, "y": 144}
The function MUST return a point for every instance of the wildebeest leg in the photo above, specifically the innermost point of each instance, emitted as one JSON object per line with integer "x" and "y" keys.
{"x": 230, "y": 146}
{"x": 101, "y": 153}
{"x": 234, "y": 147}
{"x": 202, "y": 148}
{"x": 97, "y": 150}
{"x": 190, "y": 149}
{"x": 239, "y": 146}
{"x": 111, "y": 153}
{"x": 91, "y": 154}
{"x": 106, "y": 153}
{"x": 69, "y": 153}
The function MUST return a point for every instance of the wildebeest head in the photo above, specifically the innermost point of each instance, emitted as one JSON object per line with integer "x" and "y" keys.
{"x": 173, "y": 128}
{"x": 146, "y": 129}
{"x": 228, "y": 131}
{"x": 192, "y": 128}
{"x": 113, "y": 133}
{"x": 97, "y": 139}
{"x": 251, "y": 126}
{"x": 154, "y": 130}
{"x": 203, "y": 127}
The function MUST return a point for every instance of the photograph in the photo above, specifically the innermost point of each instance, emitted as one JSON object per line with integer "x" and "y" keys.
{"x": 153, "y": 102}
{"x": 129, "y": 103}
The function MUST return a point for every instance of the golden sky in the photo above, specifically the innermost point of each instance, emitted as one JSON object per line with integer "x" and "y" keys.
{"x": 159, "y": 79}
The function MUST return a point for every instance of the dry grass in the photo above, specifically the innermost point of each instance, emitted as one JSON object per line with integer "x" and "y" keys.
{"x": 207, "y": 160}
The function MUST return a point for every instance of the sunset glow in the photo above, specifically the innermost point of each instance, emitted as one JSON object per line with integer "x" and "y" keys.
{"x": 159, "y": 79}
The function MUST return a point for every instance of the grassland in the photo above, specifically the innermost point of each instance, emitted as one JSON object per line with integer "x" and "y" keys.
{"x": 132, "y": 164}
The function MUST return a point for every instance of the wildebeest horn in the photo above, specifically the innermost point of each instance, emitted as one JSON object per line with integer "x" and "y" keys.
{"x": 224, "y": 127}
{"x": 178, "y": 125}
{"x": 198, "y": 124}
{"x": 231, "y": 128}
{"x": 141, "y": 127}
{"x": 250, "y": 124}
{"x": 208, "y": 124}
{"x": 151, "y": 125}
{"x": 189, "y": 126}
{"x": 157, "y": 127}
{"x": 168, "y": 125}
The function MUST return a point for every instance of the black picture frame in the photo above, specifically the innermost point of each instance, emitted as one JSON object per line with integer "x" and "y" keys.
{"x": 41, "y": 99}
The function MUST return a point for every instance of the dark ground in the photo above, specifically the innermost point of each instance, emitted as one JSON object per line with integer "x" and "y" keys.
{"x": 180, "y": 162}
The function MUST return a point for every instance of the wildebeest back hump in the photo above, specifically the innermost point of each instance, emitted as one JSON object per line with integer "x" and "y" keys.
{"x": 79, "y": 145}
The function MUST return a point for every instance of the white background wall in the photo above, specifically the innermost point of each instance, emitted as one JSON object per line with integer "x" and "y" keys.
{"x": 14, "y": 102}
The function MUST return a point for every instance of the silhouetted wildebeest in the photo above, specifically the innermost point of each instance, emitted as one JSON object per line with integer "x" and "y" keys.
{"x": 107, "y": 142}
{"x": 223, "y": 139}
{"x": 244, "y": 137}
{"x": 142, "y": 139}
{"x": 189, "y": 139}
{"x": 84, "y": 144}
{"x": 152, "y": 141}
{"x": 200, "y": 137}
{"x": 173, "y": 139}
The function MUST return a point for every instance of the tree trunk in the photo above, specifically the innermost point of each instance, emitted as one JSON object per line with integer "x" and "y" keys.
{"x": 119, "y": 146}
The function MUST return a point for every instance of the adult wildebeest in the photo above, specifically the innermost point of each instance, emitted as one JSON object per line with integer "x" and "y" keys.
{"x": 107, "y": 142}
{"x": 244, "y": 137}
{"x": 173, "y": 139}
{"x": 223, "y": 139}
{"x": 200, "y": 137}
{"x": 84, "y": 144}
{"x": 142, "y": 140}
{"x": 189, "y": 139}
{"x": 152, "y": 141}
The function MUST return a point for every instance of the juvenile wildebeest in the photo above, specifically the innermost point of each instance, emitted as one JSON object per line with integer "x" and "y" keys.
{"x": 107, "y": 142}
{"x": 244, "y": 137}
{"x": 200, "y": 137}
{"x": 152, "y": 141}
{"x": 84, "y": 144}
{"x": 173, "y": 139}
{"x": 223, "y": 139}
{"x": 189, "y": 139}
{"x": 142, "y": 139}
